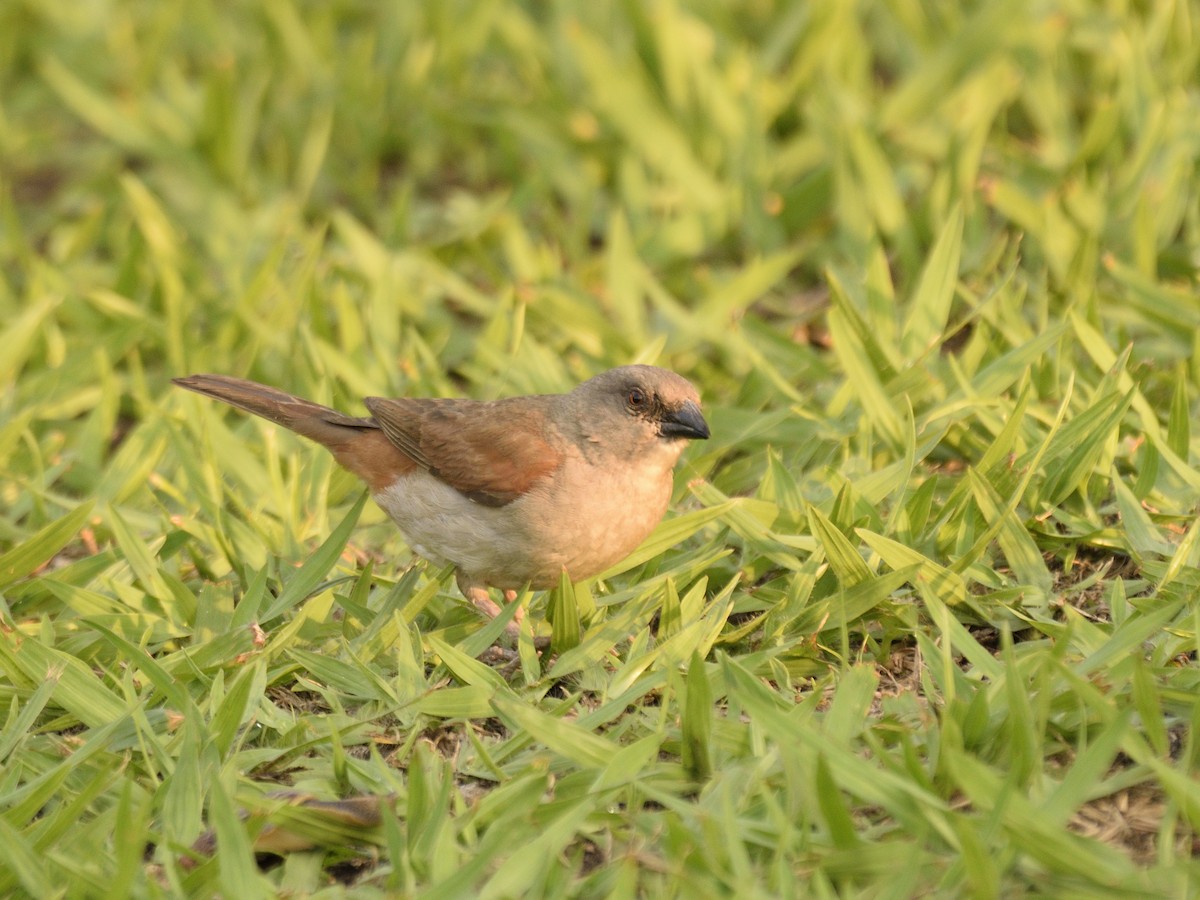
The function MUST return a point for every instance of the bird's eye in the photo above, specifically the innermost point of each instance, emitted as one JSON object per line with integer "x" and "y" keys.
{"x": 636, "y": 398}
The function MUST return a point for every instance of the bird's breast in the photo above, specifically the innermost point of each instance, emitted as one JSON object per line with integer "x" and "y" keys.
{"x": 590, "y": 517}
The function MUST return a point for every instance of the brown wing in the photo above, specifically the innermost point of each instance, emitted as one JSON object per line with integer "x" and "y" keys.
{"x": 490, "y": 452}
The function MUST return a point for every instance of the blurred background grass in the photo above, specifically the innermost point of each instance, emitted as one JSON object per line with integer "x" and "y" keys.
{"x": 933, "y": 269}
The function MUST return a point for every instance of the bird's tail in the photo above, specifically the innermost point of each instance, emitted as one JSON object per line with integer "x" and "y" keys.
{"x": 312, "y": 420}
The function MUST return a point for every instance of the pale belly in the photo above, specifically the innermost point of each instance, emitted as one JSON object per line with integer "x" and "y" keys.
{"x": 583, "y": 519}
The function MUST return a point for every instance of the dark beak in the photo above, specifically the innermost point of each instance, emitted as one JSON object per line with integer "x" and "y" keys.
{"x": 685, "y": 422}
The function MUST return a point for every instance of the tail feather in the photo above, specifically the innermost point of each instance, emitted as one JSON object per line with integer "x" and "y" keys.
{"x": 312, "y": 420}
{"x": 358, "y": 444}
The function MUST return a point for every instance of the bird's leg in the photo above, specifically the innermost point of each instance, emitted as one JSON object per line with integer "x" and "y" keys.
{"x": 510, "y": 596}
{"x": 479, "y": 597}
{"x": 496, "y": 654}
{"x": 482, "y": 601}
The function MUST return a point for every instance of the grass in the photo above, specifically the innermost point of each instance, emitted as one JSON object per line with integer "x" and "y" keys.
{"x": 924, "y": 618}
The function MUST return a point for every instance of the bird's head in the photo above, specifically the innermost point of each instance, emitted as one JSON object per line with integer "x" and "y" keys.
{"x": 653, "y": 401}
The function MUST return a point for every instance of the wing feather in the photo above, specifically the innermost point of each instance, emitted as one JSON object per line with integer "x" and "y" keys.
{"x": 491, "y": 452}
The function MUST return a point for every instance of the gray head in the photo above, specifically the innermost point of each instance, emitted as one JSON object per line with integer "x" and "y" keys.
{"x": 665, "y": 402}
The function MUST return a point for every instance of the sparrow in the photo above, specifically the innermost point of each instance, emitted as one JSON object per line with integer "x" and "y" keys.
{"x": 512, "y": 492}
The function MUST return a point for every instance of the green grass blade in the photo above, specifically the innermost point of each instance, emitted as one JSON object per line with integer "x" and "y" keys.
{"x": 929, "y": 309}
{"x": 309, "y": 575}
{"x": 24, "y": 558}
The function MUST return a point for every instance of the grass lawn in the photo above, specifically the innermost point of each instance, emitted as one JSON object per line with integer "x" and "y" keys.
{"x": 923, "y": 617}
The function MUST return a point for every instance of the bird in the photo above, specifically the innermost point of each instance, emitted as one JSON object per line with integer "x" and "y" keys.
{"x": 512, "y": 492}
